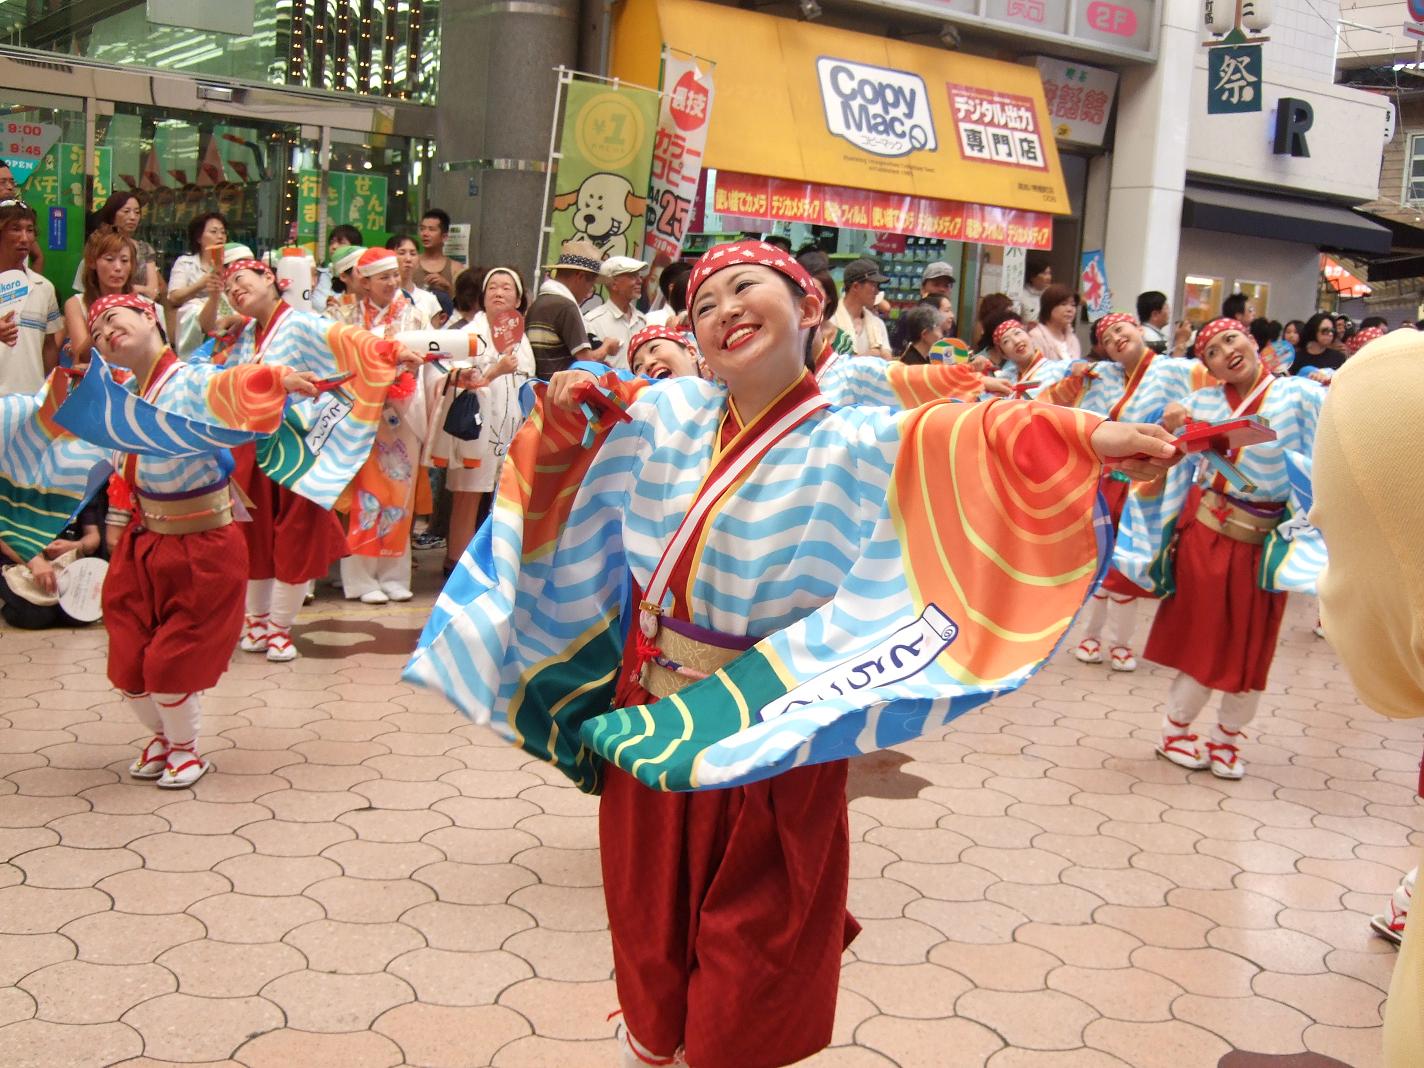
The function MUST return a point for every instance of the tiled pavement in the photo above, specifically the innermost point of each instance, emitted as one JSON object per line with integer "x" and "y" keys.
{"x": 368, "y": 880}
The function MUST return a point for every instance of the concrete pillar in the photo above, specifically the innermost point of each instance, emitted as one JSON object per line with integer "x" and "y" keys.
{"x": 496, "y": 105}
{"x": 1149, "y": 163}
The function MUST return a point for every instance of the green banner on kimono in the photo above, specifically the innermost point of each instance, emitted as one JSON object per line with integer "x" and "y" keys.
{"x": 606, "y": 157}
{"x": 285, "y": 457}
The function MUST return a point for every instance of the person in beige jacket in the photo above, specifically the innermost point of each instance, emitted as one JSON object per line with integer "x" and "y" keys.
{"x": 1369, "y": 504}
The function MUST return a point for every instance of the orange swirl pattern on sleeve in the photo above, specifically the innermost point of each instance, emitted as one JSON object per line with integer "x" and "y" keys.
{"x": 996, "y": 506}
{"x": 1066, "y": 391}
{"x": 248, "y": 397}
{"x": 917, "y": 384}
{"x": 551, "y": 443}
{"x": 372, "y": 359}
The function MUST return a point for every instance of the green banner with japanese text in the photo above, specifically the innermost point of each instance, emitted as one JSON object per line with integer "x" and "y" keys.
{"x": 358, "y": 200}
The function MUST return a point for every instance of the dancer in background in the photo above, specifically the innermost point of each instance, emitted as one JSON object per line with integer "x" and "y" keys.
{"x": 292, "y": 538}
{"x": 1219, "y": 629}
{"x": 1024, "y": 364}
{"x": 173, "y": 598}
{"x": 726, "y": 514}
{"x": 1134, "y": 384}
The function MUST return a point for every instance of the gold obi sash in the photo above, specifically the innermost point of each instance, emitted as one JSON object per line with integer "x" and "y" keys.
{"x": 688, "y": 653}
{"x": 205, "y": 510}
{"x": 1238, "y": 520}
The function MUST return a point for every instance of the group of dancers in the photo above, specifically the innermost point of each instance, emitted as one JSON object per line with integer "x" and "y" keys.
{"x": 733, "y": 525}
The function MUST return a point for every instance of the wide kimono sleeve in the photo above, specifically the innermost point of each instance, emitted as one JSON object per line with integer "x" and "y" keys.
{"x": 46, "y": 473}
{"x": 988, "y": 540}
{"x": 891, "y": 384}
{"x": 527, "y": 634}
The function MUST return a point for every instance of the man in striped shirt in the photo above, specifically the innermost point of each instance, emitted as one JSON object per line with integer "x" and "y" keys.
{"x": 29, "y": 326}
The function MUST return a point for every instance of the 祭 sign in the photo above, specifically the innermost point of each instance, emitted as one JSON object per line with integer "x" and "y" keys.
{"x": 605, "y": 159}
{"x": 681, "y": 136}
{"x": 1233, "y": 79}
{"x": 996, "y": 127}
{"x": 881, "y": 111}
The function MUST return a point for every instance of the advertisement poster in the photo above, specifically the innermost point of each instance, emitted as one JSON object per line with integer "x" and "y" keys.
{"x": 1093, "y": 285}
{"x": 1079, "y": 99}
{"x": 356, "y": 199}
{"x": 606, "y": 157}
{"x": 997, "y": 127}
{"x": 756, "y": 197}
{"x": 59, "y": 179}
{"x": 677, "y": 155}
{"x": 1201, "y": 299}
{"x": 24, "y": 144}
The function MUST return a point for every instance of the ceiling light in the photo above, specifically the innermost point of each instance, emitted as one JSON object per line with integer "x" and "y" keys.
{"x": 810, "y": 9}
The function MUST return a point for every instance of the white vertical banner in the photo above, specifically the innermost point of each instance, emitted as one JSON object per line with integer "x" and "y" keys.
{"x": 678, "y": 144}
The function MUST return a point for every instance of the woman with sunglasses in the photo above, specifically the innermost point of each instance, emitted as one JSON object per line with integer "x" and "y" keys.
{"x": 1319, "y": 351}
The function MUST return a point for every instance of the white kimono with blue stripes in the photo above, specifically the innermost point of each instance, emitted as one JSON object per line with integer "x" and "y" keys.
{"x": 1279, "y": 471}
{"x": 1168, "y": 379}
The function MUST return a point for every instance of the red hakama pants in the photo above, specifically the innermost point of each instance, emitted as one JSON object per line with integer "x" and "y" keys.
{"x": 290, "y": 538}
{"x": 727, "y": 910}
{"x": 173, "y": 608}
{"x": 1220, "y": 627}
{"x": 1114, "y": 491}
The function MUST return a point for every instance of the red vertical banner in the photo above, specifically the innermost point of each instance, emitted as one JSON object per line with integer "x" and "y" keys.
{"x": 678, "y": 145}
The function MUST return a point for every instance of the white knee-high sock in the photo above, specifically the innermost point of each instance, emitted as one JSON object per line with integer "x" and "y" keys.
{"x": 1186, "y": 699}
{"x": 182, "y": 715}
{"x": 259, "y": 596}
{"x": 1121, "y": 620}
{"x": 1097, "y": 616}
{"x": 1238, "y": 709}
{"x": 145, "y": 710}
{"x": 287, "y": 600}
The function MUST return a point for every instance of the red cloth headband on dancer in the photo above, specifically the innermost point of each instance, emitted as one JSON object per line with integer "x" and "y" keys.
{"x": 1212, "y": 330}
{"x": 1004, "y": 327}
{"x": 246, "y": 265}
{"x": 118, "y": 300}
{"x": 653, "y": 333}
{"x": 1364, "y": 337}
{"x": 1101, "y": 326}
{"x": 741, "y": 253}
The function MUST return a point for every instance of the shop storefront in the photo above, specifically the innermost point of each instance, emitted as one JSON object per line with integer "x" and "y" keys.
{"x": 203, "y": 130}
{"x": 1268, "y": 190}
{"x": 863, "y": 144}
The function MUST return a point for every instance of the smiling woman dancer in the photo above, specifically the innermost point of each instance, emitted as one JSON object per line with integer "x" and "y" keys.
{"x": 728, "y": 513}
{"x": 1220, "y": 627}
{"x": 1135, "y": 384}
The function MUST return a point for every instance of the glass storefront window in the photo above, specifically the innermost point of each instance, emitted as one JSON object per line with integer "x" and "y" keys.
{"x": 385, "y": 48}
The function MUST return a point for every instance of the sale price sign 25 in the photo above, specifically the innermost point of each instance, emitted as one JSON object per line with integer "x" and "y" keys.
{"x": 24, "y": 144}
{"x": 685, "y": 111}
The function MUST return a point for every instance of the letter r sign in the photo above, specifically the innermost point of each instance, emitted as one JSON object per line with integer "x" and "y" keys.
{"x": 1294, "y": 118}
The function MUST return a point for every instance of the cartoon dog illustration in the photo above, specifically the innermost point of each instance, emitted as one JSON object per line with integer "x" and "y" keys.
{"x": 604, "y": 206}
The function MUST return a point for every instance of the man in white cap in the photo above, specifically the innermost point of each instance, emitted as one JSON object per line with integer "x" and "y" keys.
{"x": 618, "y": 317}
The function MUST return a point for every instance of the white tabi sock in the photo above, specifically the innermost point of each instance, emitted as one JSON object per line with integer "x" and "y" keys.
{"x": 182, "y": 715}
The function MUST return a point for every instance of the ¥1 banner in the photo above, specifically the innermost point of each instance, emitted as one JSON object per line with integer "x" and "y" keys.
{"x": 678, "y": 144}
{"x": 605, "y": 157}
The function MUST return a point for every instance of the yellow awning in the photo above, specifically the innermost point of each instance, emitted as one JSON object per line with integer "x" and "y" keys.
{"x": 810, "y": 103}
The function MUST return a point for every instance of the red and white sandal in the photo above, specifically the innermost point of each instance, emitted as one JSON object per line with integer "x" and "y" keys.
{"x": 1179, "y": 746}
{"x": 1122, "y": 659}
{"x": 279, "y": 644}
{"x": 152, "y": 760}
{"x": 255, "y": 633}
{"x": 1089, "y": 651}
{"x": 183, "y": 767}
{"x": 1225, "y": 758}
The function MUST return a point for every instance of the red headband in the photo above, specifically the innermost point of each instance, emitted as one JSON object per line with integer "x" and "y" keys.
{"x": 1004, "y": 327}
{"x": 118, "y": 300}
{"x": 246, "y": 265}
{"x": 1363, "y": 338}
{"x": 1214, "y": 329}
{"x": 1101, "y": 326}
{"x": 741, "y": 253}
{"x": 655, "y": 333}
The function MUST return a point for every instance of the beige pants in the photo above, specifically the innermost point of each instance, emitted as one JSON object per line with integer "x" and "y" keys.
{"x": 1404, "y": 1011}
